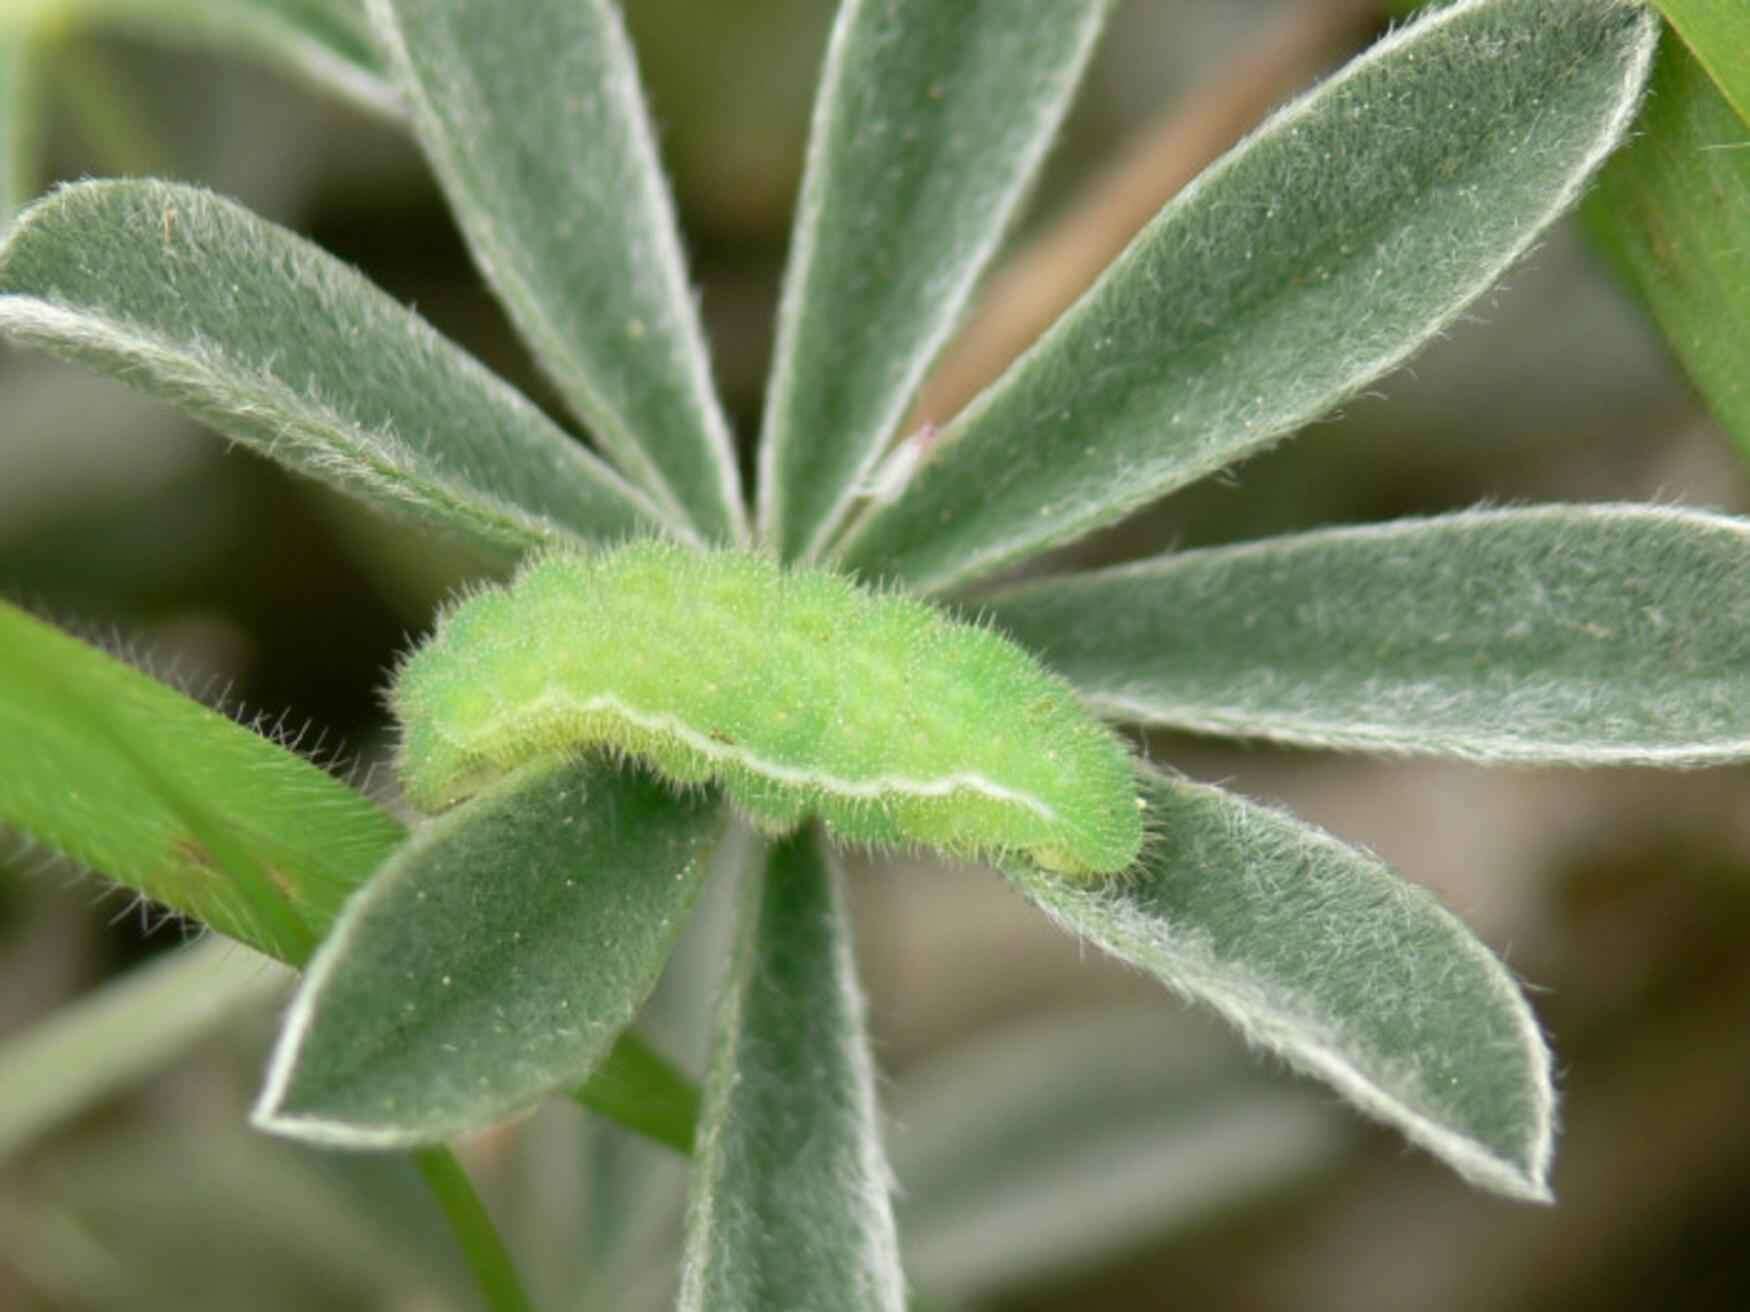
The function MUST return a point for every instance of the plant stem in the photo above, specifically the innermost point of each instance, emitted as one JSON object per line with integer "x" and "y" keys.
{"x": 481, "y": 1246}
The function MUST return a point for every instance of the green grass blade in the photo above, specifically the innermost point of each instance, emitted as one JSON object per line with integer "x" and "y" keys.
{"x": 1673, "y": 212}
{"x": 1585, "y": 635}
{"x": 930, "y": 124}
{"x": 790, "y": 1204}
{"x": 126, "y": 1030}
{"x": 97, "y": 761}
{"x": 556, "y": 183}
{"x": 1717, "y": 33}
{"x": 1352, "y": 227}
{"x": 94, "y": 759}
{"x": 280, "y": 346}
{"x": 492, "y": 961}
{"x": 1320, "y": 954}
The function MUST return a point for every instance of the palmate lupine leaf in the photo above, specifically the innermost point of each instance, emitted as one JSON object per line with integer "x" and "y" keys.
{"x": 555, "y": 181}
{"x": 1349, "y": 229}
{"x": 790, "y": 1204}
{"x": 1563, "y": 634}
{"x": 930, "y": 123}
{"x": 493, "y": 960}
{"x": 282, "y": 347}
{"x": 1320, "y": 954}
{"x": 1673, "y": 211}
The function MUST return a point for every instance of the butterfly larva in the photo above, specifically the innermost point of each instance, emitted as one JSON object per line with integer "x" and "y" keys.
{"x": 799, "y": 692}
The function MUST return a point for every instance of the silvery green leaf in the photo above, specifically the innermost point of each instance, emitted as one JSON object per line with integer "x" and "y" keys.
{"x": 280, "y": 346}
{"x": 1562, "y": 634}
{"x": 493, "y": 960}
{"x": 790, "y": 1204}
{"x": 930, "y": 123}
{"x": 1353, "y": 226}
{"x": 1320, "y": 954}
{"x": 555, "y": 181}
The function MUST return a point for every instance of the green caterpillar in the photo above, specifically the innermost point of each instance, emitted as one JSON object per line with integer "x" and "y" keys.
{"x": 799, "y": 692}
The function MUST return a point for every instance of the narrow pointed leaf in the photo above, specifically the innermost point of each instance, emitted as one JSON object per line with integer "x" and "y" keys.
{"x": 96, "y": 759}
{"x": 790, "y": 1205}
{"x": 492, "y": 961}
{"x": 280, "y": 346}
{"x": 1320, "y": 954}
{"x": 129, "y": 1028}
{"x": 1673, "y": 211}
{"x": 1578, "y": 634}
{"x": 930, "y": 123}
{"x": 1352, "y": 227}
{"x": 556, "y": 183}
{"x": 1717, "y": 33}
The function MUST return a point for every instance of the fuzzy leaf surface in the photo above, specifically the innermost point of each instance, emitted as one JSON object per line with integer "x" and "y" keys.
{"x": 1564, "y": 634}
{"x": 130, "y": 777}
{"x": 790, "y": 1204}
{"x": 280, "y": 346}
{"x": 1717, "y": 33}
{"x": 1673, "y": 211}
{"x": 493, "y": 960}
{"x": 930, "y": 123}
{"x": 555, "y": 181}
{"x": 1319, "y": 254}
{"x": 1320, "y": 954}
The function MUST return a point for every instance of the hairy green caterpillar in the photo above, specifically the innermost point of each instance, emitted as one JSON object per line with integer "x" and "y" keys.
{"x": 799, "y": 692}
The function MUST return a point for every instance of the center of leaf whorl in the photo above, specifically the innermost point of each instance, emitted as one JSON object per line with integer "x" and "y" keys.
{"x": 797, "y": 691}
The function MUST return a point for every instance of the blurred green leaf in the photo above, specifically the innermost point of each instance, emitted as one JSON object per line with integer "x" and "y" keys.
{"x": 930, "y": 124}
{"x": 280, "y": 346}
{"x": 129, "y": 1028}
{"x": 494, "y": 959}
{"x": 100, "y": 762}
{"x": 324, "y": 41}
{"x": 1352, "y": 227}
{"x": 790, "y": 1204}
{"x": 1579, "y": 634}
{"x": 1673, "y": 212}
{"x": 555, "y": 180}
{"x": 1060, "y": 1142}
{"x": 1320, "y": 954}
{"x": 18, "y": 128}
{"x": 197, "y": 1211}
{"x": 1717, "y": 33}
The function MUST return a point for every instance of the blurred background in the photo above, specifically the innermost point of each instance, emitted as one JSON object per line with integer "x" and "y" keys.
{"x": 1066, "y": 1135}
